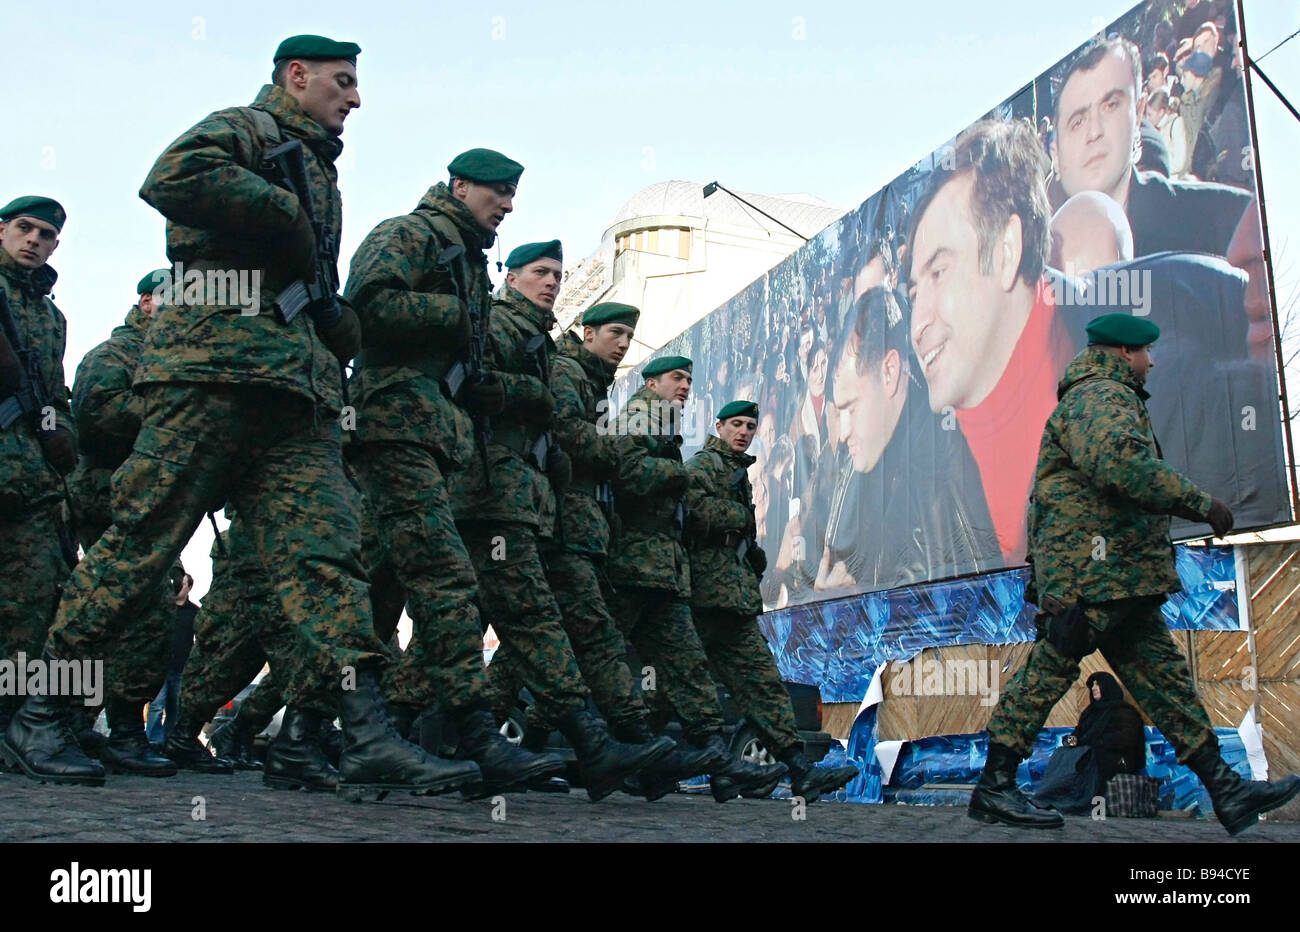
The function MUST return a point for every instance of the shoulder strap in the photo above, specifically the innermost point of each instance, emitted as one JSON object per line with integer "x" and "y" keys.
{"x": 267, "y": 128}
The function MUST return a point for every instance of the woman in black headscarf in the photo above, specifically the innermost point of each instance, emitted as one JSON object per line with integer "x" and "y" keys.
{"x": 1112, "y": 728}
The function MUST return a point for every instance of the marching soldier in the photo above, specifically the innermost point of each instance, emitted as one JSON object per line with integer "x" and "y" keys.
{"x": 38, "y": 445}
{"x": 420, "y": 284}
{"x": 1101, "y": 483}
{"x": 726, "y": 566}
{"x": 243, "y": 408}
{"x": 651, "y": 574}
{"x": 505, "y": 508}
{"x": 108, "y": 415}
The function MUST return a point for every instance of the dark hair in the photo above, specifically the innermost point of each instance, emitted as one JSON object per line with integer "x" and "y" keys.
{"x": 878, "y": 324}
{"x": 1089, "y": 57}
{"x": 1009, "y": 164}
{"x": 280, "y": 73}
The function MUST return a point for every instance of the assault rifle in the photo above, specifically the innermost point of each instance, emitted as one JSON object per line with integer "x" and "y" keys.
{"x": 319, "y": 299}
{"x": 468, "y": 369}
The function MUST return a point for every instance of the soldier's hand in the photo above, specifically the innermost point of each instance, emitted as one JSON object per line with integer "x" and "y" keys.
{"x": 559, "y": 468}
{"x": 540, "y": 409}
{"x": 299, "y": 253}
{"x": 343, "y": 337}
{"x": 1219, "y": 518}
{"x": 60, "y": 448}
{"x": 487, "y": 394}
{"x": 677, "y": 485}
{"x": 758, "y": 560}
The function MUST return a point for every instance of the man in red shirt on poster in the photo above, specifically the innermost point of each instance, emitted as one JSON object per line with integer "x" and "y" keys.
{"x": 985, "y": 327}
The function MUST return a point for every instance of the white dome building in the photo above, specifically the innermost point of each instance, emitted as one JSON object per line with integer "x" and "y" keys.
{"x": 677, "y": 255}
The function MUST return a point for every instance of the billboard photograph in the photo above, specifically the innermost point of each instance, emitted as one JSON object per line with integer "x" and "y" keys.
{"x": 906, "y": 359}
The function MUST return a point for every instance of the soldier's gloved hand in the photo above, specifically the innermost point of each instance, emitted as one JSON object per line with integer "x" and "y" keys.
{"x": 677, "y": 485}
{"x": 60, "y": 448}
{"x": 559, "y": 468}
{"x": 343, "y": 336}
{"x": 487, "y": 394}
{"x": 758, "y": 560}
{"x": 540, "y": 409}
{"x": 300, "y": 249}
{"x": 1219, "y": 518}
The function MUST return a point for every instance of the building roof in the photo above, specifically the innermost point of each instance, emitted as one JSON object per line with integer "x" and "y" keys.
{"x": 803, "y": 212}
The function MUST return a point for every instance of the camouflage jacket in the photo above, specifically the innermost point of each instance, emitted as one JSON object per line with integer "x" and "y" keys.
{"x": 580, "y": 381}
{"x": 26, "y": 480}
{"x": 651, "y": 485}
{"x": 720, "y": 497}
{"x": 221, "y": 211}
{"x": 108, "y": 417}
{"x": 519, "y": 490}
{"x": 411, "y": 308}
{"x": 1102, "y": 496}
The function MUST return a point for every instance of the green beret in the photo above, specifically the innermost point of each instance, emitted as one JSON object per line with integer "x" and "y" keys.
{"x": 665, "y": 364}
{"x": 1121, "y": 330}
{"x": 531, "y": 252}
{"x": 317, "y": 48}
{"x": 739, "y": 409}
{"x": 485, "y": 166}
{"x": 158, "y": 278}
{"x": 42, "y": 208}
{"x": 611, "y": 312}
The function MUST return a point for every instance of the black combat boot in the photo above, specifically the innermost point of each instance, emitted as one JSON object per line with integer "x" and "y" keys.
{"x": 1238, "y": 803}
{"x": 735, "y": 776}
{"x": 127, "y": 749}
{"x": 376, "y": 759}
{"x": 535, "y": 739}
{"x": 403, "y": 717}
{"x": 504, "y": 766}
{"x": 295, "y": 760}
{"x": 997, "y": 798}
{"x": 603, "y": 762}
{"x": 233, "y": 741}
{"x": 657, "y": 780}
{"x": 40, "y": 743}
{"x": 810, "y": 781}
{"x": 331, "y": 741}
{"x": 184, "y": 748}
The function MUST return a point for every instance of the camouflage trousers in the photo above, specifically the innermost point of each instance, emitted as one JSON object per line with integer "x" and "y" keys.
{"x": 32, "y": 574}
{"x": 657, "y": 625}
{"x": 278, "y": 459}
{"x": 1133, "y": 637}
{"x": 579, "y": 589}
{"x": 740, "y": 660}
{"x": 239, "y": 627}
{"x": 521, "y": 608}
{"x": 419, "y": 558}
{"x": 148, "y": 655}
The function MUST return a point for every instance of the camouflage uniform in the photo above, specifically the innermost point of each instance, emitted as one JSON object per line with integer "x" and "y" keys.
{"x": 575, "y": 559}
{"x": 410, "y": 437}
{"x": 108, "y": 414}
{"x": 650, "y": 567}
{"x": 31, "y": 492}
{"x": 725, "y": 597}
{"x": 239, "y": 626}
{"x": 1099, "y": 537}
{"x": 505, "y": 509}
{"x": 237, "y": 408}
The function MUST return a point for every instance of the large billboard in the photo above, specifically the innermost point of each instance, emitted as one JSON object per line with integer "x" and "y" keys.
{"x": 906, "y": 360}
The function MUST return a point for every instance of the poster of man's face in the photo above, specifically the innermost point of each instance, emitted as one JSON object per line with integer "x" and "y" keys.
{"x": 907, "y": 358}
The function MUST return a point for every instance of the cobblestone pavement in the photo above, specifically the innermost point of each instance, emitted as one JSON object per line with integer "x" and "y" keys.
{"x": 239, "y": 808}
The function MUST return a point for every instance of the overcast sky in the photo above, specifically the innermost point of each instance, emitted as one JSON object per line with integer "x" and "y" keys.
{"x": 597, "y": 100}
